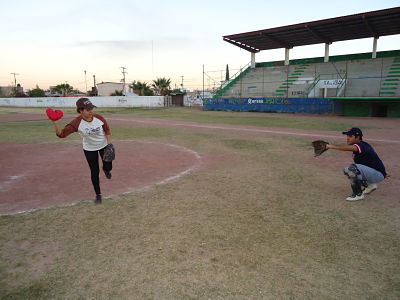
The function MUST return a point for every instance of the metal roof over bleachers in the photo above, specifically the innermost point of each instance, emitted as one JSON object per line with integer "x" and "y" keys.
{"x": 364, "y": 25}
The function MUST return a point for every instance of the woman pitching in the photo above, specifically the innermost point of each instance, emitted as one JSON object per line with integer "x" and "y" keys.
{"x": 96, "y": 136}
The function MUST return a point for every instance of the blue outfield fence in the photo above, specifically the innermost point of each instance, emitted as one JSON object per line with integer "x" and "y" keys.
{"x": 287, "y": 105}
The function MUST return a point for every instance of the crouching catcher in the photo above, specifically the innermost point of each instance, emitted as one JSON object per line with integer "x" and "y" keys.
{"x": 367, "y": 169}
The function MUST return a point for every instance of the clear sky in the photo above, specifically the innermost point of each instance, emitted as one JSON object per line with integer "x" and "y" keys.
{"x": 48, "y": 42}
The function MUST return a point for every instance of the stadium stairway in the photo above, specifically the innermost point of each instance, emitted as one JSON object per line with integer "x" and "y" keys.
{"x": 231, "y": 83}
{"x": 298, "y": 71}
{"x": 391, "y": 83}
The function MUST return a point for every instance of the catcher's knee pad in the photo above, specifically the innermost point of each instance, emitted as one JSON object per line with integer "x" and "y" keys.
{"x": 352, "y": 172}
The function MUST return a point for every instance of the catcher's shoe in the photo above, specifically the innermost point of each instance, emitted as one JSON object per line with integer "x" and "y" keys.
{"x": 355, "y": 197}
{"x": 370, "y": 188}
{"x": 108, "y": 174}
{"x": 98, "y": 199}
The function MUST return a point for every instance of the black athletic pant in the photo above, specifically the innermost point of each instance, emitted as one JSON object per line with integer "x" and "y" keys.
{"x": 92, "y": 158}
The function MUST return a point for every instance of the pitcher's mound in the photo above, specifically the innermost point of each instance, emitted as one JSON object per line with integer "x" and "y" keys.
{"x": 43, "y": 175}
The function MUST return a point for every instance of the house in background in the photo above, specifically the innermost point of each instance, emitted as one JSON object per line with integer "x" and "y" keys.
{"x": 51, "y": 92}
{"x": 107, "y": 88}
{"x": 6, "y": 91}
{"x": 12, "y": 91}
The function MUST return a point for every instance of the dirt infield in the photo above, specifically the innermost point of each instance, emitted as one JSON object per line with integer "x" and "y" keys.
{"x": 39, "y": 176}
{"x": 44, "y": 175}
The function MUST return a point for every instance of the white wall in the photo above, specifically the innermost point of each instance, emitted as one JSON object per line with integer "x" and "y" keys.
{"x": 107, "y": 88}
{"x": 192, "y": 100}
{"x": 115, "y": 101}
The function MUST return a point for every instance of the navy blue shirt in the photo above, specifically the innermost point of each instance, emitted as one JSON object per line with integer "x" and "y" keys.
{"x": 367, "y": 156}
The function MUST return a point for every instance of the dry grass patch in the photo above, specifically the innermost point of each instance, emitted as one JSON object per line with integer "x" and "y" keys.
{"x": 258, "y": 221}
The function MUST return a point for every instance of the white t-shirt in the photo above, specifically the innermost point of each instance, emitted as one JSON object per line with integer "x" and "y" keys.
{"x": 93, "y": 133}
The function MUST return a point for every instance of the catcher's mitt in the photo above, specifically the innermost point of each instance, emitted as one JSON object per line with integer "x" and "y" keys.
{"x": 109, "y": 153}
{"x": 319, "y": 147}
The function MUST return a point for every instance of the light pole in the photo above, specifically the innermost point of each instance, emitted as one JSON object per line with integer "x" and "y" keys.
{"x": 123, "y": 73}
{"x": 182, "y": 83}
{"x": 85, "y": 83}
{"x": 95, "y": 88}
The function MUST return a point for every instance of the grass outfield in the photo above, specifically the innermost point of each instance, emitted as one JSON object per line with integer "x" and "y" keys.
{"x": 197, "y": 115}
{"x": 257, "y": 222}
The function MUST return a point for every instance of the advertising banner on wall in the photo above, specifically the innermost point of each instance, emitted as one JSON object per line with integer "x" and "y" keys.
{"x": 289, "y": 105}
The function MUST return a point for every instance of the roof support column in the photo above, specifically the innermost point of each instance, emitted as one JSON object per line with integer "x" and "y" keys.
{"x": 374, "y": 46}
{"x": 253, "y": 60}
{"x": 287, "y": 56}
{"x": 326, "y": 58}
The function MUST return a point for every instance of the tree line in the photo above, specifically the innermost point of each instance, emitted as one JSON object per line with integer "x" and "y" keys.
{"x": 159, "y": 87}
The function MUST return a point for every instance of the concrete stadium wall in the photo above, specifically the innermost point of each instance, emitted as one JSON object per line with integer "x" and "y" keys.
{"x": 287, "y": 105}
{"x": 364, "y": 108}
{"x": 363, "y": 77}
{"x": 112, "y": 101}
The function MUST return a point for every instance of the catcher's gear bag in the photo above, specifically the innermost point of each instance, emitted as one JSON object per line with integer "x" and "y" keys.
{"x": 109, "y": 153}
{"x": 319, "y": 147}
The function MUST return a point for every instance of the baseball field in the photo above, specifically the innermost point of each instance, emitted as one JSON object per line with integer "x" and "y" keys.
{"x": 201, "y": 205}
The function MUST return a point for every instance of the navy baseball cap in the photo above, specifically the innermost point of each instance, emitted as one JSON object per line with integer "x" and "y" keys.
{"x": 353, "y": 131}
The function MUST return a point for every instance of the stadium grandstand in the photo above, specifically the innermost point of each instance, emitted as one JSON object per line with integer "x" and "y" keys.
{"x": 359, "y": 84}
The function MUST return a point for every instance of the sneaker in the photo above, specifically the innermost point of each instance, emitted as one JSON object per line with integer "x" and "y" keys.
{"x": 108, "y": 174}
{"x": 370, "y": 188}
{"x": 98, "y": 199}
{"x": 355, "y": 197}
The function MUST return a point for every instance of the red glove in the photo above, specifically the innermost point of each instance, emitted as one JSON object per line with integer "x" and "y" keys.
{"x": 54, "y": 115}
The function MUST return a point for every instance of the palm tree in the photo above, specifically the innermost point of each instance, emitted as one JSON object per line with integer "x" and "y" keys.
{"x": 162, "y": 86}
{"x": 141, "y": 88}
{"x": 63, "y": 89}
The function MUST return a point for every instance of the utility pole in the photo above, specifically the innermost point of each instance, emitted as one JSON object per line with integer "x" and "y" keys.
{"x": 182, "y": 83}
{"x": 15, "y": 79}
{"x": 85, "y": 82}
{"x": 203, "y": 83}
{"x": 15, "y": 82}
{"x": 123, "y": 73}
